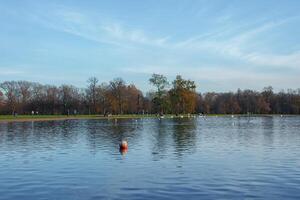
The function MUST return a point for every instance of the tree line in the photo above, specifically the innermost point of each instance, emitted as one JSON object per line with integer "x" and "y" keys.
{"x": 117, "y": 97}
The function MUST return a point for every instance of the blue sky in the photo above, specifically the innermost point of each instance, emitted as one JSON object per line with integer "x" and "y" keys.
{"x": 222, "y": 45}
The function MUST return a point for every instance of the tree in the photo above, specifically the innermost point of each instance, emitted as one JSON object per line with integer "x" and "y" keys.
{"x": 91, "y": 93}
{"x": 183, "y": 96}
{"x": 134, "y": 98}
{"x": 118, "y": 98}
{"x": 103, "y": 98}
{"x": 25, "y": 88}
{"x": 68, "y": 96}
{"x": 1, "y": 101}
{"x": 52, "y": 99}
{"x": 160, "y": 100}
{"x": 117, "y": 90}
{"x": 267, "y": 100}
{"x": 11, "y": 92}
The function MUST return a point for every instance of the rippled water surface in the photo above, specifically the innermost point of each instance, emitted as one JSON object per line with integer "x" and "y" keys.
{"x": 199, "y": 158}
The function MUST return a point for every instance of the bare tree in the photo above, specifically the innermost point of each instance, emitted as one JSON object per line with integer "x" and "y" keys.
{"x": 102, "y": 97}
{"x": 25, "y": 88}
{"x": 12, "y": 94}
{"x": 91, "y": 93}
{"x": 117, "y": 88}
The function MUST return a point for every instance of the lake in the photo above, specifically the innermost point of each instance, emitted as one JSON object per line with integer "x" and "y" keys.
{"x": 192, "y": 158}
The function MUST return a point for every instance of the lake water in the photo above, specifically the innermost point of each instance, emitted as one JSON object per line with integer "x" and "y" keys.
{"x": 198, "y": 158}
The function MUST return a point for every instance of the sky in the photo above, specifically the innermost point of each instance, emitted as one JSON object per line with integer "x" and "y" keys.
{"x": 222, "y": 45}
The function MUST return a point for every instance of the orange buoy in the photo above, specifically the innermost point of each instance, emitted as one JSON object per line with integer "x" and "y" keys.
{"x": 123, "y": 145}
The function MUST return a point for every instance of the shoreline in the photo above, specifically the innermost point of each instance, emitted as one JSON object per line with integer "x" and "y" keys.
{"x": 30, "y": 118}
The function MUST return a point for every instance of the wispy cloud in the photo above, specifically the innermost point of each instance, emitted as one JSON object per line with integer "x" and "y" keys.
{"x": 108, "y": 31}
{"x": 213, "y": 44}
{"x": 118, "y": 32}
{"x": 74, "y": 23}
{"x": 9, "y": 71}
{"x": 276, "y": 60}
{"x": 236, "y": 45}
{"x": 95, "y": 28}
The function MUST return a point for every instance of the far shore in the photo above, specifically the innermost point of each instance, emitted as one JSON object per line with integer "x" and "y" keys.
{"x": 29, "y": 118}
{"x": 26, "y": 118}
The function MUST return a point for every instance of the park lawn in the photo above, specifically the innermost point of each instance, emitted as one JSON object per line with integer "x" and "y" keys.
{"x": 61, "y": 117}
{"x": 11, "y": 118}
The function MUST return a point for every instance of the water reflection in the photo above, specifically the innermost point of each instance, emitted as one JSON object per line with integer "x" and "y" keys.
{"x": 235, "y": 158}
{"x": 103, "y": 134}
{"x": 268, "y": 124}
{"x": 173, "y": 135}
{"x": 159, "y": 133}
{"x": 184, "y": 136}
{"x": 123, "y": 151}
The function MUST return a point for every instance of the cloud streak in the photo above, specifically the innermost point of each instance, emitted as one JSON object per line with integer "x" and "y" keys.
{"x": 113, "y": 33}
{"x": 233, "y": 46}
{"x": 9, "y": 71}
{"x": 215, "y": 47}
{"x": 95, "y": 28}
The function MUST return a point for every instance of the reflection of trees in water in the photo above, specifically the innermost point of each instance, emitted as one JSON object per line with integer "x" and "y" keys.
{"x": 181, "y": 131}
{"x": 251, "y": 130}
{"x": 245, "y": 130}
{"x": 108, "y": 134}
{"x": 47, "y": 135}
{"x": 30, "y": 136}
{"x": 160, "y": 132}
{"x": 268, "y": 130}
{"x": 14, "y": 133}
{"x": 185, "y": 136}
{"x": 61, "y": 134}
{"x": 101, "y": 135}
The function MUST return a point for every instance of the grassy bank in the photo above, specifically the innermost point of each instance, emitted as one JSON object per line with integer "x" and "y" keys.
{"x": 10, "y": 118}
{"x": 7, "y": 118}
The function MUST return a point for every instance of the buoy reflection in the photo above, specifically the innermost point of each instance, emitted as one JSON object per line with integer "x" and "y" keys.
{"x": 123, "y": 151}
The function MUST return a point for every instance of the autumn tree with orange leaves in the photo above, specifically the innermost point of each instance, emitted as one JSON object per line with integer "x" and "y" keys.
{"x": 183, "y": 96}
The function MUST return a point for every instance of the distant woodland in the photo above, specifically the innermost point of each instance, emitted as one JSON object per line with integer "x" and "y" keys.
{"x": 117, "y": 97}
